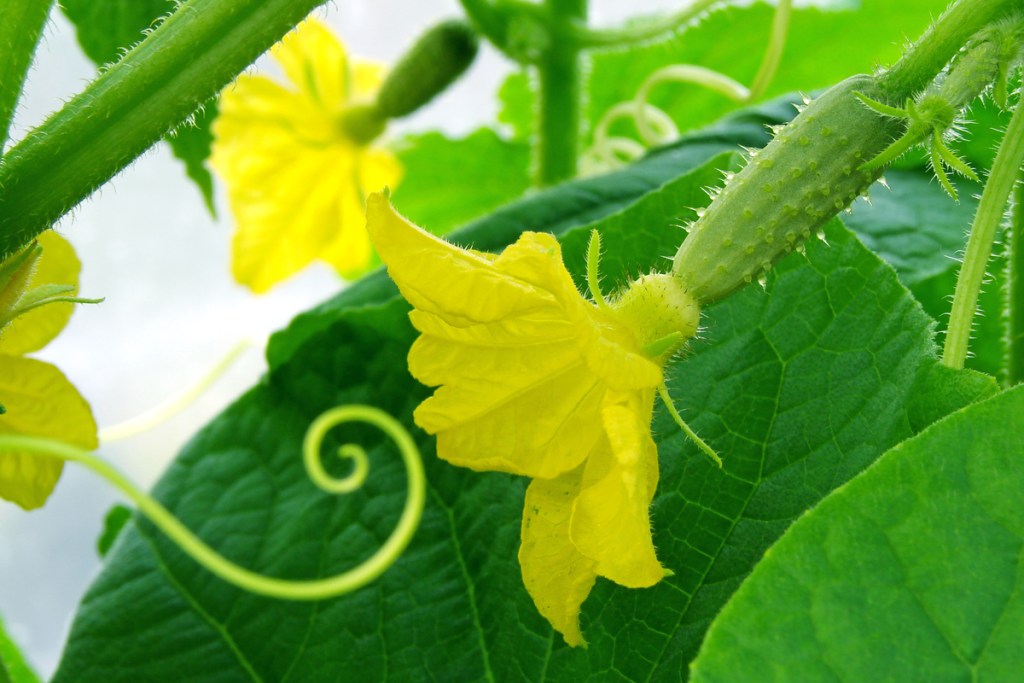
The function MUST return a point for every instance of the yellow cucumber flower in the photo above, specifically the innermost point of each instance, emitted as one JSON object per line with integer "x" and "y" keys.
{"x": 37, "y": 290}
{"x": 295, "y": 170}
{"x": 536, "y": 380}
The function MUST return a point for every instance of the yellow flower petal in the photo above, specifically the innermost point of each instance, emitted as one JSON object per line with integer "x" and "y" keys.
{"x": 40, "y": 402}
{"x": 281, "y": 230}
{"x": 367, "y": 77}
{"x": 611, "y": 519}
{"x": 350, "y": 252}
{"x": 315, "y": 61}
{"x": 296, "y": 181}
{"x": 58, "y": 265}
{"x": 556, "y": 575}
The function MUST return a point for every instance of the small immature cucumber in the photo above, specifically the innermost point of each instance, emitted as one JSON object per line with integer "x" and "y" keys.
{"x": 437, "y": 59}
{"x": 786, "y": 192}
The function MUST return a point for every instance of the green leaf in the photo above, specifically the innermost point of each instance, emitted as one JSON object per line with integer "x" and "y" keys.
{"x": 448, "y": 182}
{"x": 799, "y": 387}
{"x": 911, "y": 572}
{"x": 113, "y": 524}
{"x": 13, "y": 667}
{"x": 21, "y": 25}
{"x": 191, "y": 143}
{"x": 108, "y": 29}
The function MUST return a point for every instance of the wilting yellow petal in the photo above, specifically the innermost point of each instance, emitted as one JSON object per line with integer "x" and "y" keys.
{"x": 556, "y": 575}
{"x": 315, "y": 61}
{"x": 40, "y": 402}
{"x": 611, "y": 518}
{"x": 58, "y": 265}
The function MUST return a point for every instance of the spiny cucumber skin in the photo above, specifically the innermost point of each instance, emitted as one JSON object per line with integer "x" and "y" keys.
{"x": 786, "y": 192}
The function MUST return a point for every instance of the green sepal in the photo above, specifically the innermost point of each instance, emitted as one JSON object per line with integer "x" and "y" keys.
{"x": 41, "y": 296}
{"x": 15, "y": 273}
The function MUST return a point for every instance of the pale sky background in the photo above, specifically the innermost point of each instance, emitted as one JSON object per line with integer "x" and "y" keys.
{"x": 171, "y": 310}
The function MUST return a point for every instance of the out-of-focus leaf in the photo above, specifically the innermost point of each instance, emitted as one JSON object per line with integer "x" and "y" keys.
{"x": 113, "y": 524}
{"x": 911, "y": 572}
{"x": 449, "y": 182}
{"x": 13, "y": 667}
{"x": 824, "y": 46}
{"x": 107, "y": 29}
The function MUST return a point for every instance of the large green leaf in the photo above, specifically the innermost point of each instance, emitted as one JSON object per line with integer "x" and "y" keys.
{"x": 911, "y": 572}
{"x": 107, "y": 29}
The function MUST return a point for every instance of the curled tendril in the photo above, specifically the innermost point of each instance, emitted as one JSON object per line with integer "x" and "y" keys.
{"x": 315, "y": 589}
{"x": 655, "y": 127}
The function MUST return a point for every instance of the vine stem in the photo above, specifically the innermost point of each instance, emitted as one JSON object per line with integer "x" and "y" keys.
{"x": 21, "y": 25}
{"x": 987, "y": 218}
{"x": 131, "y": 105}
{"x": 317, "y": 589}
{"x": 925, "y": 59}
{"x": 560, "y": 96}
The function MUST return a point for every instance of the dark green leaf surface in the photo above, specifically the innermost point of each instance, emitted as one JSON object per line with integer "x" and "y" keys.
{"x": 799, "y": 387}
{"x": 449, "y": 182}
{"x": 911, "y": 572}
{"x": 107, "y": 29}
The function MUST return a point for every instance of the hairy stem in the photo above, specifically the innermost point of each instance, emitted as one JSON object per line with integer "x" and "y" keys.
{"x": 922, "y": 62}
{"x": 560, "y": 94}
{"x": 1015, "y": 291}
{"x": 21, "y": 25}
{"x": 128, "y": 108}
{"x": 989, "y": 215}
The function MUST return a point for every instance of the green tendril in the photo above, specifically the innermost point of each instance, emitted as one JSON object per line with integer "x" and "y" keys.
{"x": 667, "y": 400}
{"x": 168, "y": 409}
{"x": 316, "y": 589}
{"x": 593, "y": 271}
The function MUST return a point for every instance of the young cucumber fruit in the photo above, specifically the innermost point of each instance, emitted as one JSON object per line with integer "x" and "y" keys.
{"x": 786, "y": 192}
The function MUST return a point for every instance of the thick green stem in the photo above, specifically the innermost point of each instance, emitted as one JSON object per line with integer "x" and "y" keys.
{"x": 21, "y": 24}
{"x": 1015, "y": 291}
{"x": 184, "y": 62}
{"x": 921, "y": 63}
{"x": 991, "y": 210}
{"x": 560, "y": 94}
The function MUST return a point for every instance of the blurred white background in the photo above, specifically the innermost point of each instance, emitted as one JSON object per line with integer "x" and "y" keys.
{"x": 172, "y": 310}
